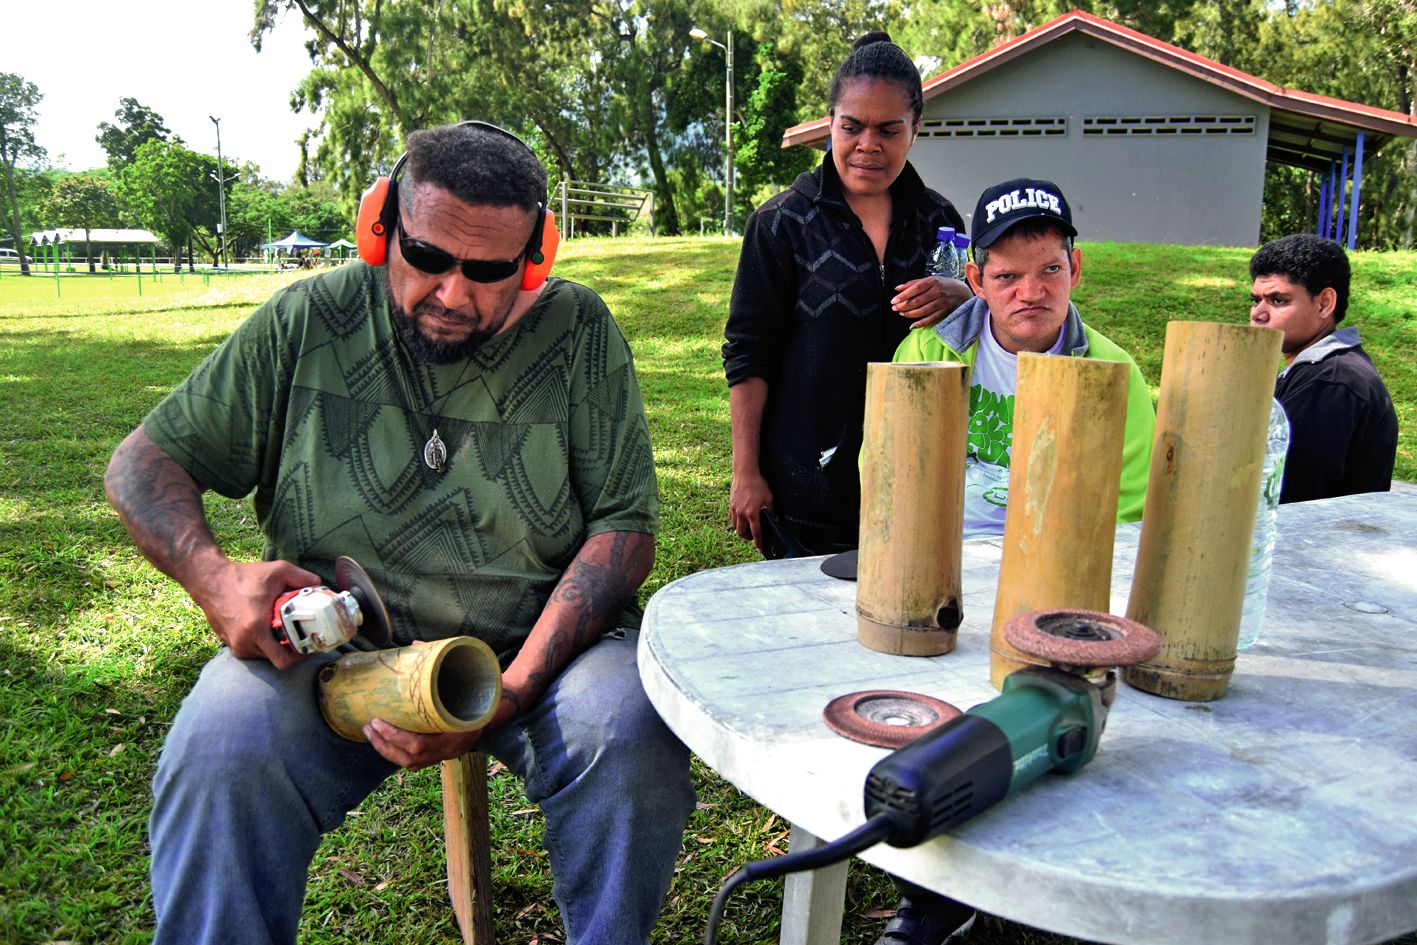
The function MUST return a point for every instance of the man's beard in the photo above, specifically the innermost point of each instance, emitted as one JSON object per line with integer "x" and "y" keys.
{"x": 431, "y": 350}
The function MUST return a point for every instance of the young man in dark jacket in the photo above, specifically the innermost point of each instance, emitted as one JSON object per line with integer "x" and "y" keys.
{"x": 1342, "y": 426}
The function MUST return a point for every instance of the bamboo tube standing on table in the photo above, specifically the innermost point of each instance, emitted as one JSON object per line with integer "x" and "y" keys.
{"x": 1189, "y": 585}
{"x": 450, "y": 685}
{"x": 1070, "y": 417}
{"x": 912, "y": 508}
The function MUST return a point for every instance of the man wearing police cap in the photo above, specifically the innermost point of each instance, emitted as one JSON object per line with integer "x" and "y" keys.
{"x": 1024, "y": 269}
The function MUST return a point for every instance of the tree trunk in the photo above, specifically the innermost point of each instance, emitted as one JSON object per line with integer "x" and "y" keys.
{"x": 88, "y": 250}
{"x": 663, "y": 192}
{"x": 358, "y": 60}
{"x": 14, "y": 213}
{"x": 1409, "y": 171}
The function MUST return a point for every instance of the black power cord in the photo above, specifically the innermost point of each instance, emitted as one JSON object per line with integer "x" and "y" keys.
{"x": 869, "y": 834}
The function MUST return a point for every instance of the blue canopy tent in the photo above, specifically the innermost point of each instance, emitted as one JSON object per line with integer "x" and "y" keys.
{"x": 293, "y": 243}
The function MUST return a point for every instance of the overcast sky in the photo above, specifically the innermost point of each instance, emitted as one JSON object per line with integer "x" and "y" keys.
{"x": 185, "y": 59}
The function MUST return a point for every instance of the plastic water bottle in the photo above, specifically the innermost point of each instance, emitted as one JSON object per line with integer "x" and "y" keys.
{"x": 961, "y": 242}
{"x": 1262, "y": 544}
{"x": 943, "y": 261}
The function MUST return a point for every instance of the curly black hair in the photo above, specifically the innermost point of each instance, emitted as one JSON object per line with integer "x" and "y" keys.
{"x": 874, "y": 56}
{"x": 1311, "y": 261}
{"x": 479, "y": 164}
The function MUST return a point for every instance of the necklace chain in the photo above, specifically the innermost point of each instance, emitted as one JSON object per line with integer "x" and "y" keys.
{"x": 435, "y": 451}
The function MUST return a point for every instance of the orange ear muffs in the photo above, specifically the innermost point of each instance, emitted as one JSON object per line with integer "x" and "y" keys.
{"x": 371, "y": 232}
{"x": 539, "y": 260}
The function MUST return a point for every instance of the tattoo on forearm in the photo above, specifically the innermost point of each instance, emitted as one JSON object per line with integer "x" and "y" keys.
{"x": 596, "y": 588}
{"x": 160, "y": 506}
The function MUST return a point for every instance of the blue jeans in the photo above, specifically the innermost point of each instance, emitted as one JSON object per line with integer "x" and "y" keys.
{"x": 251, "y": 776}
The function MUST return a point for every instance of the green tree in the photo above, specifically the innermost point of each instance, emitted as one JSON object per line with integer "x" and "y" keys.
{"x": 1358, "y": 50}
{"x": 172, "y": 191}
{"x": 308, "y": 210}
{"x": 770, "y": 110}
{"x": 135, "y": 125}
{"x": 254, "y": 214}
{"x": 18, "y": 98}
{"x": 586, "y": 82}
{"x": 85, "y": 202}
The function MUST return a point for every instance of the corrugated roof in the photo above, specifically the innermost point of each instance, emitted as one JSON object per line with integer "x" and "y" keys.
{"x": 1306, "y": 130}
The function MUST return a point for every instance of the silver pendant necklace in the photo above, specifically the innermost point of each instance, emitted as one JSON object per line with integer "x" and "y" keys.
{"x": 435, "y": 452}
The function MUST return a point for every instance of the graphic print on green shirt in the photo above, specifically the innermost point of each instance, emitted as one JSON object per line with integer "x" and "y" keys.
{"x": 991, "y": 425}
{"x": 316, "y": 405}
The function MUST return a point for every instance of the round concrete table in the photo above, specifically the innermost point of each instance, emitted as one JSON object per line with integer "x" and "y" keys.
{"x": 1285, "y": 813}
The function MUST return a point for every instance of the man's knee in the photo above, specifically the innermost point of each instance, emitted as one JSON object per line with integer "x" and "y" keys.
{"x": 239, "y": 708}
{"x": 604, "y": 717}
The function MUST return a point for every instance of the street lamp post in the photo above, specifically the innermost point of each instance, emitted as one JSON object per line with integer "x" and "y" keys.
{"x": 727, "y": 127}
{"x": 220, "y": 196}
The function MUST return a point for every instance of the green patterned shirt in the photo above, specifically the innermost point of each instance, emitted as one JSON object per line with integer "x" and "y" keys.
{"x": 316, "y": 405}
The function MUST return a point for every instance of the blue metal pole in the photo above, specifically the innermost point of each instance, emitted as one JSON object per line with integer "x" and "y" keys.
{"x": 1357, "y": 189}
{"x": 1341, "y": 193}
{"x": 1323, "y": 208}
{"x": 1328, "y": 233}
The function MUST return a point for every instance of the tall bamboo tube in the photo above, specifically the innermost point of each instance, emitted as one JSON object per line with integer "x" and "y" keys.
{"x": 1070, "y": 417}
{"x": 450, "y": 685}
{"x": 912, "y": 508}
{"x": 1217, "y": 382}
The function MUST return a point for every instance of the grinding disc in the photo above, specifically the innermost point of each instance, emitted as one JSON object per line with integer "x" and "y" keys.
{"x": 842, "y": 566}
{"x": 1081, "y": 638}
{"x": 886, "y": 718}
{"x": 349, "y": 576}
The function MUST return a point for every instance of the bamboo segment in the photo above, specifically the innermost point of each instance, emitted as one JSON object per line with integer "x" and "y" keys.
{"x": 451, "y": 685}
{"x": 1070, "y": 417}
{"x": 912, "y": 508}
{"x": 1217, "y": 382}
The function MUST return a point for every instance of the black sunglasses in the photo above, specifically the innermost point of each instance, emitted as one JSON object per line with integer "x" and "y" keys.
{"x": 434, "y": 261}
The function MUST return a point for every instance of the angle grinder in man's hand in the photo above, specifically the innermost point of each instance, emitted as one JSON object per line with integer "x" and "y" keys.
{"x": 319, "y": 619}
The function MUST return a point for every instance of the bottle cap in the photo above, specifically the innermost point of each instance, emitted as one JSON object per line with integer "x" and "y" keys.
{"x": 945, "y": 234}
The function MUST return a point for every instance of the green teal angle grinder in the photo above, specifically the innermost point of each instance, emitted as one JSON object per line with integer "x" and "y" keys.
{"x": 1046, "y": 719}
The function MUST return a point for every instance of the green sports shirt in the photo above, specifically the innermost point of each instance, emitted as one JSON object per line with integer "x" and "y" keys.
{"x": 317, "y": 406}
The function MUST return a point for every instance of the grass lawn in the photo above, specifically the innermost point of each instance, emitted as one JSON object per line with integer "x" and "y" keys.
{"x": 97, "y": 649}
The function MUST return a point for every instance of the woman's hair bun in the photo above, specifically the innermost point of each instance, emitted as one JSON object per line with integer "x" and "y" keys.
{"x": 875, "y": 36}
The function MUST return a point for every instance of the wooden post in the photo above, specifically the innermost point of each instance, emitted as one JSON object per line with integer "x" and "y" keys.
{"x": 450, "y": 685}
{"x": 1217, "y": 382}
{"x": 1070, "y": 418}
{"x": 912, "y": 507}
{"x": 469, "y": 845}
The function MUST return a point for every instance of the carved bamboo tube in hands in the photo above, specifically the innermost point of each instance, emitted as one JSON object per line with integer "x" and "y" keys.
{"x": 450, "y": 685}
{"x": 1217, "y": 382}
{"x": 912, "y": 507}
{"x": 1070, "y": 417}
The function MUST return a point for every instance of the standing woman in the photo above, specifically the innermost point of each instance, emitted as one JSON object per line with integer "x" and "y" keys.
{"x": 831, "y": 276}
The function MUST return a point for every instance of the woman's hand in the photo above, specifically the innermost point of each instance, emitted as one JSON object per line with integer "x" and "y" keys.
{"x": 748, "y": 496}
{"x": 927, "y": 301}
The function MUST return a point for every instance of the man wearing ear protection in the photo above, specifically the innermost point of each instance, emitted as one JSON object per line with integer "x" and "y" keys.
{"x": 472, "y": 433}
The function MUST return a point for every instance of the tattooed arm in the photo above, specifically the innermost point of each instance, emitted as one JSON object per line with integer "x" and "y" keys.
{"x": 591, "y": 594}
{"x": 161, "y": 506}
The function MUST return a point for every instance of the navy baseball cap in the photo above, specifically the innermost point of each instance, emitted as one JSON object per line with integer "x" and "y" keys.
{"x": 1006, "y": 205}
